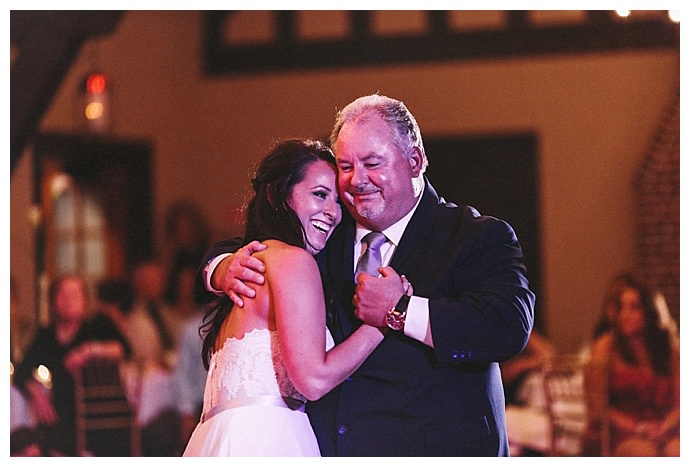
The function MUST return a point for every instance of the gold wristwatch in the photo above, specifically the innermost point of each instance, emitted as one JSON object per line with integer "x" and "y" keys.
{"x": 395, "y": 318}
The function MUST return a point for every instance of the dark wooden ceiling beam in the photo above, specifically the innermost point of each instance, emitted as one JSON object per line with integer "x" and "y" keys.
{"x": 47, "y": 43}
{"x": 599, "y": 33}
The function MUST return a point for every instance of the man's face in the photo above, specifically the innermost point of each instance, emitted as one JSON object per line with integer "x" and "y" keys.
{"x": 374, "y": 178}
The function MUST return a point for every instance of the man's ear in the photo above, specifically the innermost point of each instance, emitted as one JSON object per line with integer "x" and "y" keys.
{"x": 416, "y": 161}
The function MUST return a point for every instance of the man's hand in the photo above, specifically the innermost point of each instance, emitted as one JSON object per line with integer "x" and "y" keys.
{"x": 374, "y": 296}
{"x": 234, "y": 272}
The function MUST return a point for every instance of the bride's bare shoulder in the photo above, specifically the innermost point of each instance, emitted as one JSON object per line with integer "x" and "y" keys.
{"x": 281, "y": 253}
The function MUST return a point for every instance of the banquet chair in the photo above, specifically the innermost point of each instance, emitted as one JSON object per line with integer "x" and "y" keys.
{"x": 106, "y": 421}
{"x": 597, "y": 441}
{"x": 564, "y": 389}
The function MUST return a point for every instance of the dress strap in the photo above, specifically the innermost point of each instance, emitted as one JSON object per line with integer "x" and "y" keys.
{"x": 266, "y": 401}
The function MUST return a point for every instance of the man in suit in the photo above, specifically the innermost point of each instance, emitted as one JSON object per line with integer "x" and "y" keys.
{"x": 433, "y": 386}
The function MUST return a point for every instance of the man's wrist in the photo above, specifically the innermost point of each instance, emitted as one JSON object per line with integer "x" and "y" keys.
{"x": 208, "y": 271}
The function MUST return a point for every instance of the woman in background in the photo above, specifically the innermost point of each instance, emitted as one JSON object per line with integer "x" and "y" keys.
{"x": 633, "y": 379}
{"x": 71, "y": 339}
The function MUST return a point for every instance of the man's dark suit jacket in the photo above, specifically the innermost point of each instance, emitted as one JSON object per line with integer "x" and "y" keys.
{"x": 408, "y": 399}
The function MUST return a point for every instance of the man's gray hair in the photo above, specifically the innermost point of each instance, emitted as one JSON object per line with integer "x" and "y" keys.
{"x": 404, "y": 129}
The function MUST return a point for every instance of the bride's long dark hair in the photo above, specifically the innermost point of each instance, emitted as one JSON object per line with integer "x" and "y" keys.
{"x": 268, "y": 214}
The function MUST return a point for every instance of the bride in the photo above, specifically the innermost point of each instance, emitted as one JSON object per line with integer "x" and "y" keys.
{"x": 267, "y": 358}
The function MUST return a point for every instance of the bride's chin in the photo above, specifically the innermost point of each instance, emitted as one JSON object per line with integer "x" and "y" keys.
{"x": 314, "y": 251}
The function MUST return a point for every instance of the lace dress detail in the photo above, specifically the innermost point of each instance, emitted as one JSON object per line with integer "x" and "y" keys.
{"x": 248, "y": 367}
{"x": 236, "y": 419}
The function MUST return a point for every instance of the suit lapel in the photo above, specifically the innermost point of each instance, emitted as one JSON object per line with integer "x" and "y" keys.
{"x": 415, "y": 240}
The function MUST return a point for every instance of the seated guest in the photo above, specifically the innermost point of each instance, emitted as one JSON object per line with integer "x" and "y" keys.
{"x": 633, "y": 379}
{"x": 526, "y": 415}
{"x": 189, "y": 372}
{"x": 152, "y": 328}
{"x": 607, "y": 314}
{"x": 527, "y": 364}
{"x": 115, "y": 300}
{"x": 71, "y": 339}
{"x": 151, "y": 325}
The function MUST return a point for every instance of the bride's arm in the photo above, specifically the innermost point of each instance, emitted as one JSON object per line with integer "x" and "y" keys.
{"x": 298, "y": 300}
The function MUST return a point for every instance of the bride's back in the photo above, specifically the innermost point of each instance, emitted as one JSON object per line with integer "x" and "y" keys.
{"x": 257, "y": 312}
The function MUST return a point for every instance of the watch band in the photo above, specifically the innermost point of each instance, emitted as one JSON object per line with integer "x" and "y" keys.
{"x": 402, "y": 303}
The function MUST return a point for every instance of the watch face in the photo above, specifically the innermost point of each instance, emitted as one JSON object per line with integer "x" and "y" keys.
{"x": 395, "y": 320}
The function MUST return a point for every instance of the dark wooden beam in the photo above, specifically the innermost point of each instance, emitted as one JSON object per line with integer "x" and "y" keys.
{"x": 599, "y": 33}
{"x": 47, "y": 43}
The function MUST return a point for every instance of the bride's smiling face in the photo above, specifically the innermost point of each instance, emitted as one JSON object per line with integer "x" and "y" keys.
{"x": 315, "y": 201}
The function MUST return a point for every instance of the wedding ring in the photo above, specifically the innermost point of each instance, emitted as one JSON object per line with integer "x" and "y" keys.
{"x": 406, "y": 284}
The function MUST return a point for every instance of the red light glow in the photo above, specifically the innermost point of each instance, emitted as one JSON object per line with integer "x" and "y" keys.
{"x": 96, "y": 83}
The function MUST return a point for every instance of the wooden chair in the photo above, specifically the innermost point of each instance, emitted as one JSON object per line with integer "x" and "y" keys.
{"x": 598, "y": 437}
{"x": 564, "y": 389}
{"x": 106, "y": 421}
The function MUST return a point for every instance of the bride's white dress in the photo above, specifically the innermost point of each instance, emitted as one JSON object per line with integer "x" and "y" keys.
{"x": 251, "y": 407}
